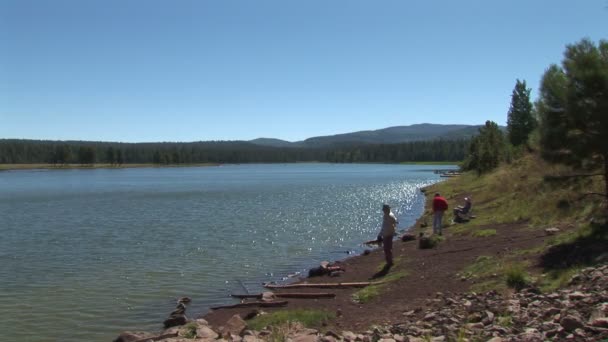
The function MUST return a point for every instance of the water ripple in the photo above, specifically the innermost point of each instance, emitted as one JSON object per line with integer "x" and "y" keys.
{"x": 85, "y": 255}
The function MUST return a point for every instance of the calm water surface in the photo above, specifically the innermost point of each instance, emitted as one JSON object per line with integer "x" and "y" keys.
{"x": 86, "y": 254}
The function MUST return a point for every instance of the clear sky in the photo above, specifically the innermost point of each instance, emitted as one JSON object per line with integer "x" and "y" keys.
{"x": 189, "y": 70}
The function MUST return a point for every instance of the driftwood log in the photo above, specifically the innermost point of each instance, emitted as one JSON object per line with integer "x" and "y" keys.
{"x": 323, "y": 285}
{"x": 250, "y": 304}
{"x": 288, "y": 295}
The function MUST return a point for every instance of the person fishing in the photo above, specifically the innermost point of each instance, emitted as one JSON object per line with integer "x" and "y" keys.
{"x": 387, "y": 232}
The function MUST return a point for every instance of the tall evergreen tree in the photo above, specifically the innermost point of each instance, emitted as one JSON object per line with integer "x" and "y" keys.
{"x": 487, "y": 150}
{"x": 573, "y": 107}
{"x": 520, "y": 120}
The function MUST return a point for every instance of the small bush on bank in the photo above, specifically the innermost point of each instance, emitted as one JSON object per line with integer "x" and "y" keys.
{"x": 190, "y": 330}
{"x": 516, "y": 277}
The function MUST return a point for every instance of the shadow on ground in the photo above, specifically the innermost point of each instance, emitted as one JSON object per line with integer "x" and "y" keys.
{"x": 584, "y": 251}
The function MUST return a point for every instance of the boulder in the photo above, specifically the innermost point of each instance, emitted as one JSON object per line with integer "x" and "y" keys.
{"x": 235, "y": 325}
{"x": 571, "y": 323}
{"x": 601, "y": 322}
{"x": 174, "y": 321}
{"x": 132, "y": 336}
{"x": 205, "y": 332}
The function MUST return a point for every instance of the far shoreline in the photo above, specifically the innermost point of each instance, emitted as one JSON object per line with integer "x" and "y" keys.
{"x": 46, "y": 166}
{"x": 43, "y": 166}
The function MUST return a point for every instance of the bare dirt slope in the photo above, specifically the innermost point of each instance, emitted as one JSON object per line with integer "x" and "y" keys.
{"x": 427, "y": 271}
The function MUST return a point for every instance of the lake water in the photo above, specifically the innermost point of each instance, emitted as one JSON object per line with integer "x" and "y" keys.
{"x": 86, "y": 254}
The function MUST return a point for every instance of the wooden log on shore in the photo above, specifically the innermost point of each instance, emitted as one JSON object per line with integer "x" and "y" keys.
{"x": 250, "y": 304}
{"x": 289, "y": 295}
{"x": 323, "y": 285}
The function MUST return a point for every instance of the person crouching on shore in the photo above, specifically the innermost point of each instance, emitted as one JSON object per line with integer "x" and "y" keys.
{"x": 389, "y": 223}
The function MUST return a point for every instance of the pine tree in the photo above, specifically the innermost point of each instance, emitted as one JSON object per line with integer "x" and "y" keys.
{"x": 520, "y": 121}
{"x": 573, "y": 108}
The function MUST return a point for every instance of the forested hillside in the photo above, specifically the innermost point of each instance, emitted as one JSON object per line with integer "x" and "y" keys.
{"x": 90, "y": 152}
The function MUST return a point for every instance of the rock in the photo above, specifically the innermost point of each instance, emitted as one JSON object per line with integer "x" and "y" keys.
{"x": 475, "y": 317}
{"x": 305, "y": 338}
{"x": 367, "y": 252}
{"x": 577, "y": 295}
{"x": 476, "y": 326}
{"x": 468, "y": 305}
{"x": 601, "y": 322}
{"x": 552, "y": 231}
{"x": 206, "y": 332}
{"x": 408, "y": 237}
{"x": 349, "y": 336}
{"x": 131, "y": 336}
{"x": 174, "y": 321}
{"x": 184, "y": 300}
{"x": 399, "y": 338}
{"x": 489, "y": 317}
{"x": 251, "y": 338}
{"x": 425, "y": 243}
{"x": 235, "y": 325}
{"x": 415, "y": 339}
{"x": 331, "y": 333}
{"x": 268, "y": 296}
{"x": 430, "y": 317}
{"x": 571, "y": 323}
{"x": 495, "y": 339}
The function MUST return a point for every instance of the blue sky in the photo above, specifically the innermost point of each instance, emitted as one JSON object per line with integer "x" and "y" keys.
{"x": 148, "y": 70}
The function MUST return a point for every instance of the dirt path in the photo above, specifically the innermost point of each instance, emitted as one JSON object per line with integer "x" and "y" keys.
{"x": 427, "y": 272}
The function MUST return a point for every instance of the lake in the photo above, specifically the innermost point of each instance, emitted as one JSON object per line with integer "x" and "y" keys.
{"x": 87, "y": 254}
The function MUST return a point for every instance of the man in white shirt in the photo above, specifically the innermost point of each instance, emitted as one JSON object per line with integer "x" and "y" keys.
{"x": 389, "y": 224}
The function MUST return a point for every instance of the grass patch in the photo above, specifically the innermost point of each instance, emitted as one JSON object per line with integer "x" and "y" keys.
{"x": 368, "y": 293}
{"x": 485, "y": 273}
{"x": 505, "y": 321}
{"x": 483, "y": 266}
{"x": 556, "y": 279}
{"x": 308, "y": 318}
{"x": 484, "y": 233}
{"x": 189, "y": 330}
{"x": 430, "y": 241}
{"x": 516, "y": 276}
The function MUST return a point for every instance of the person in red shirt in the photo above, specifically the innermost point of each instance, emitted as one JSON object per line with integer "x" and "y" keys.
{"x": 440, "y": 205}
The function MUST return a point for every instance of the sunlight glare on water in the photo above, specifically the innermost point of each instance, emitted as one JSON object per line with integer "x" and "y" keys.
{"x": 86, "y": 254}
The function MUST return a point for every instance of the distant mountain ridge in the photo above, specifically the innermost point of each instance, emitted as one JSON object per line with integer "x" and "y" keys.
{"x": 389, "y": 135}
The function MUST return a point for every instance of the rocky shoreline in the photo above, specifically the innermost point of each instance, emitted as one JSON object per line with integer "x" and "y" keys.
{"x": 578, "y": 312}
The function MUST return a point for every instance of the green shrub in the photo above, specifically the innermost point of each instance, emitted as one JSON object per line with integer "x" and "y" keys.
{"x": 516, "y": 277}
{"x": 189, "y": 330}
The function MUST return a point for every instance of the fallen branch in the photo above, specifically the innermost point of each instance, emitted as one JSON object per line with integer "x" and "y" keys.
{"x": 289, "y": 295}
{"x": 323, "y": 285}
{"x": 245, "y": 305}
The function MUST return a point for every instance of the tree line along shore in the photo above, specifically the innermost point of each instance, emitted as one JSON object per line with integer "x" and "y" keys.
{"x": 88, "y": 153}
